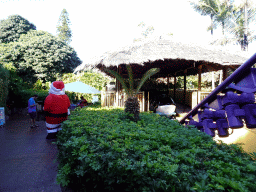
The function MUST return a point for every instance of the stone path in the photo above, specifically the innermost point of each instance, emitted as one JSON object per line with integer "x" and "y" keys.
{"x": 26, "y": 157}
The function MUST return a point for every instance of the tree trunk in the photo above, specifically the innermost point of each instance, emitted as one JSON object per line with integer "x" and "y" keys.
{"x": 245, "y": 47}
{"x": 211, "y": 24}
{"x": 132, "y": 106}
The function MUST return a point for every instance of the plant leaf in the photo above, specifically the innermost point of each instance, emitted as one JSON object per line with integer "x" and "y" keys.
{"x": 148, "y": 74}
{"x": 119, "y": 78}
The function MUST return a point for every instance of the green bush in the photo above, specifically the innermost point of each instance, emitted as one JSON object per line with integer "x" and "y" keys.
{"x": 24, "y": 95}
{"x": 101, "y": 150}
{"x": 93, "y": 79}
{"x": 4, "y": 81}
{"x": 74, "y": 97}
{"x": 96, "y": 80}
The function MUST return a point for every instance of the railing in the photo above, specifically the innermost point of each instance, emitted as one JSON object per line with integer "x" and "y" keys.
{"x": 109, "y": 99}
{"x": 202, "y": 95}
{"x": 238, "y": 75}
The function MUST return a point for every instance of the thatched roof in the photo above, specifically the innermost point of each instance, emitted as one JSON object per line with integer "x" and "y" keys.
{"x": 172, "y": 57}
{"x": 90, "y": 68}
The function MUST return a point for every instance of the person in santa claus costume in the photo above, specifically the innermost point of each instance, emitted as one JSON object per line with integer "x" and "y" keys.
{"x": 56, "y": 107}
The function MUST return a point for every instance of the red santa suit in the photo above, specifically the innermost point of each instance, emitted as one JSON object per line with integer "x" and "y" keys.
{"x": 56, "y": 107}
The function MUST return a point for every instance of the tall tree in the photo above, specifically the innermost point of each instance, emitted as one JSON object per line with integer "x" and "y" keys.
{"x": 233, "y": 19}
{"x": 63, "y": 27}
{"x": 223, "y": 13}
{"x": 39, "y": 55}
{"x": 205, "y": 8}
{"x": 218, "y": 10}
{"x": 132, "y": 103}
{"x": 243, "y": 15}
{"x": 12, "y": 27}
{"x": 238, "y": 25}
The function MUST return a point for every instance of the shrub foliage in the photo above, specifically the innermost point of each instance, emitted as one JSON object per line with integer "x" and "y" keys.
{"x": 93, "y": 79}
{"x": 4, "y": 80}
{"x": 12, "y": 27}
{"x": 101, "y": 150}
{"x": 39, "y": 55}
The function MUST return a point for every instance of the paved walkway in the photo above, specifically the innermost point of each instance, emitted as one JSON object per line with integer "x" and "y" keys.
{"x": 26, "y": 157}
{"x": 182, "y": 110}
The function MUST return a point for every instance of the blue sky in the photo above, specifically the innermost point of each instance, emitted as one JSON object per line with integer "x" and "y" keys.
{"x": 103, "y": 25}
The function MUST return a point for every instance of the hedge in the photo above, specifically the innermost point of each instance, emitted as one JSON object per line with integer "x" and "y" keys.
{"x": 24, "y": 95}
{"x": 4, "y": 78}
{"x": 101, "y": 150}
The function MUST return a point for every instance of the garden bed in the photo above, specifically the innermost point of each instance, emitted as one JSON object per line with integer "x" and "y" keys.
{"x": 101, "y": 150}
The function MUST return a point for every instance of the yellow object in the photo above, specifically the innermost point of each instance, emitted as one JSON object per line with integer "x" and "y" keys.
{"x": 243, "y": 135}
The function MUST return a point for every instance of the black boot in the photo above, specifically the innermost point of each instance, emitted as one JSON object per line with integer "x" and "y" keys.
{"x": 51, "y": 136}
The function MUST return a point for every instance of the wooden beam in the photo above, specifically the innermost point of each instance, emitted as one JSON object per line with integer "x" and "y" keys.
{"x": 221, "y": 77}
{"x": 185, "y": 86}
{"x": 225, "y": 72}
{"x": 199, "y": 82}
{"x": 174, "y": 87}
{"x": 213, "y": 81}
{"x": 168, "y": 85}
{"x": 116, "y": 99}
{"x": 199, "y": 77}
{"x": 118, "y": 87}
{"x": 148, "y": 102}
{"x": 213, "y": 68}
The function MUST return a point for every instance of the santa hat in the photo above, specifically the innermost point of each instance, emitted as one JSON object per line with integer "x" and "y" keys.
{"x": 57, "y": 88}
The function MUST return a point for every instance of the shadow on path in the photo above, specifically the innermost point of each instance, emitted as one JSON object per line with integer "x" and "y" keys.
{"x": 26, "y": 157}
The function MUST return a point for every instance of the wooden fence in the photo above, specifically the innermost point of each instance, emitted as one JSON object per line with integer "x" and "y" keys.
{"x": 112, "y": 98}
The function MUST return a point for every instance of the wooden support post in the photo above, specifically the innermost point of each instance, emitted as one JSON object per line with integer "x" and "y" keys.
{"x": 148, "y": 101}
{"x": 185, "y": 86}
{"x": 174, "y": 87}
{"x": 199, "y": 77}
{"x": 143, "y": 101}
{"x": 117, "y": 88}
{"x": 116, "y": 99}
{"x": 225, "y": 72}
{"x": 213, "y": 81}
{"x": 199, "y": 83}
{"x": 221, "y": 77}
{"x": 168, "y": 85}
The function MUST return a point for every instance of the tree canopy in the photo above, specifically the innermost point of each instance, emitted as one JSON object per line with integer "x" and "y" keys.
{"x": 12, "y": 27}
{"x": 233, "y": 18}
{"x": 206, "y": 7}
{"x": 4, "y": 78}
{"x": 39, "y": 55}
{"x": 63, "y": 27}
{"x": 243, "y": 15}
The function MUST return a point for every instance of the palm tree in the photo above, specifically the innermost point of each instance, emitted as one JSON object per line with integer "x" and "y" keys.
{"x": 223, "y": 13}
{"x": 132, "y": 105}
{"x": 233, "y": 19}
{"x": 206, "y": 7}
{"x": 219, "y": 11}
{"x": 242, "y": 16}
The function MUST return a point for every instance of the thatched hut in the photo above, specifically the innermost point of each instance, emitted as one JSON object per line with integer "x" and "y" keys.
{"x": 173, "y": 58}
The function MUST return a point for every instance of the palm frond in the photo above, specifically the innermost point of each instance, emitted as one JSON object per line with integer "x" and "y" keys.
{"x": 119, "y": 78}
{"x": 148, "y": 74}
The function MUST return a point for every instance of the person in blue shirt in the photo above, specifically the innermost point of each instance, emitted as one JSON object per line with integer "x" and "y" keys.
{"x": 32, "y": 110}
